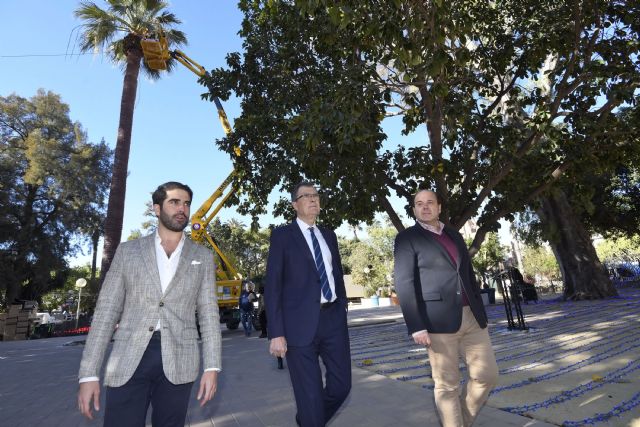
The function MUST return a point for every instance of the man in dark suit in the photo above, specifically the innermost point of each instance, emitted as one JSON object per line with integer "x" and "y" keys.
{"x": 443, "y": 310}
{"x": 306, "y": 304}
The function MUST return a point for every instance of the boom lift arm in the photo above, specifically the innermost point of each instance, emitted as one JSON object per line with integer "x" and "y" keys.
{"x": 229, "y": 281}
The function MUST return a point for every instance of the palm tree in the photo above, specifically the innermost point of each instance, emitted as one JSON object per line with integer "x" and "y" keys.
{"x": 117, "y": 32}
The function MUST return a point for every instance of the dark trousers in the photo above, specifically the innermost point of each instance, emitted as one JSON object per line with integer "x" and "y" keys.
{"x": 263, "y": 321}
{"x": 317, "y": 404}
{"x": 127, "y": 406}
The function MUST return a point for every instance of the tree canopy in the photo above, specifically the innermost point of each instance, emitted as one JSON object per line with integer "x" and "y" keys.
{"x": 511, "y": 94}
{"x": 53, "y": 183}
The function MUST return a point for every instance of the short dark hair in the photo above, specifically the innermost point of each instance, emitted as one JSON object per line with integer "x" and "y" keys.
{"x": 420, "y": 190}
{"x": 294, "y": 192}
{"x": 160, "y": 194}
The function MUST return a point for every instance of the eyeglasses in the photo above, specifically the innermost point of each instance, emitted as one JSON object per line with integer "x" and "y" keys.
{"x": 308, "y": 196}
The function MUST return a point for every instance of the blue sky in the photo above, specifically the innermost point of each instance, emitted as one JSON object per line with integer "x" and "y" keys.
{"x": 174, "y": 130}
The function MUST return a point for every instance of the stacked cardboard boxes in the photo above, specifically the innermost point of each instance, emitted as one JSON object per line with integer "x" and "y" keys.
{"x": 14, "y": 325}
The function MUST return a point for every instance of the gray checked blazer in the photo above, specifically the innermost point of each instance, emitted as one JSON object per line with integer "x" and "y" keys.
{"x": 131, "y": 297}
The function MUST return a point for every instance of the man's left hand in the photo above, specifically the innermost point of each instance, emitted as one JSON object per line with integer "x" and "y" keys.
{"x": 208, "y": 386}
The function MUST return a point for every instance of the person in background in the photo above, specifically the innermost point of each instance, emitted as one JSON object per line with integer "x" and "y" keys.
{"x": 247, "y": 297}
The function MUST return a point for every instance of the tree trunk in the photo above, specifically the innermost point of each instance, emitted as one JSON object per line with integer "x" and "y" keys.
{"x": 117, "y": 191}
{"x": 583, "y": 274}
{"x": 393, "y": 216}
{"x": 95, "y": 238}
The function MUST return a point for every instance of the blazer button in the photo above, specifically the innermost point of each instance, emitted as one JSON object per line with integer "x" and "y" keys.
{"x": 161, "y": 304}
{"x": 151, "y": 328}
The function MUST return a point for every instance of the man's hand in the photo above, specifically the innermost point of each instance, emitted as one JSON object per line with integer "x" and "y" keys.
{"x": 208, "y": 387}
{"x": 278, "y": 347}
{"x": 89, "y": 391}
{"x": 422, "y": 338}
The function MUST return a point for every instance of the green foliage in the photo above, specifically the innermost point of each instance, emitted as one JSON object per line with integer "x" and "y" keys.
{"x": 148, "y": 226}
{"x": 619, "y": 249}
{"x": 371, "y": 260}
{"x": 117, "y": 30}
{"x": 512, "y": 99}
{"x": 489, "y": 256}
{"x": 59, "y": 298}
{"x": 54, "y": 182}
{"x": 245, "y": 248}
{"x": 540, "y": 260}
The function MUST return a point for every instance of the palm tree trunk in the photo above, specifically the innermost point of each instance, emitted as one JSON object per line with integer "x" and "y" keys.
{"x": 95, "y": 238}
{"x": 117, "y": 192}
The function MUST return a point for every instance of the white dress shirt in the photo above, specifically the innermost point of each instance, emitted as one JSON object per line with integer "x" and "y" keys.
{"x": 326, "y": 254}
{"x": 167, "y": 264}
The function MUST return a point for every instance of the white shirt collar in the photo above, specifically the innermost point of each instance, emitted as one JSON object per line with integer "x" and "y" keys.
{"x": 158, "y": 241}
{"x": 437, "y": 230}
{"x": 303, "y": 225}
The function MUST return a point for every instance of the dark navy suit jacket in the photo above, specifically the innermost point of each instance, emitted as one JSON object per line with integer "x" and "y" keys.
{"x": 292, "y": 285}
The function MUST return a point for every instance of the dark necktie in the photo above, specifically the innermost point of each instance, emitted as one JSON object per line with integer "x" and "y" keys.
{"x": 324, "y": 280}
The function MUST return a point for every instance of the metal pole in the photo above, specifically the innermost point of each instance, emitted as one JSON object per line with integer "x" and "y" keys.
{"x": 80, "y": 283}
{"x": 78, "y": 309}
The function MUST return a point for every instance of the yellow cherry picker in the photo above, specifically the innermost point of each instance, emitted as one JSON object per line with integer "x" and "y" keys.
{"x": 228, "y": 279}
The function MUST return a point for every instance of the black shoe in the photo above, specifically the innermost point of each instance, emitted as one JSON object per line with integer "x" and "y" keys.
{"x": 280, "y": 366}
{"x": 263, "y": 335}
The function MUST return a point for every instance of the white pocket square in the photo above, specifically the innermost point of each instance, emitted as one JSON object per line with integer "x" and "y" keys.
{"x": 194, "y": 262}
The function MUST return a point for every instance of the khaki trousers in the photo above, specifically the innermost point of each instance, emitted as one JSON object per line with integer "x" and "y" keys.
{"x": 459, "y": 408}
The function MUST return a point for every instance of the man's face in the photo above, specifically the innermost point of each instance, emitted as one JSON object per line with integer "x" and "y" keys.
{"x": 307, "y": 203}
{"x": 426, "y": 207}
{"x": 174, "y": 212}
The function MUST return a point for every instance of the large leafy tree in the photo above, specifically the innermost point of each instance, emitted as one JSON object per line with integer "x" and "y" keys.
{"x": 510, "y": 95}
{"x": 117, "y": 31}
{"x": 489, "y": 257}
{"x": 594, "y": 197}
{"x": 53, "y": 181}
{"x": 370, "y": 260}
{"x": 245, "y": 248}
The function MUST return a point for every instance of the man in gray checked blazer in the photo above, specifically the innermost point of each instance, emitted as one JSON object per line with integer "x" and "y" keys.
{"x": 151, "y": 294}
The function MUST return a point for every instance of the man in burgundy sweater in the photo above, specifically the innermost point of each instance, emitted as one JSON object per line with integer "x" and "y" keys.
{"x": 443, "y": 310}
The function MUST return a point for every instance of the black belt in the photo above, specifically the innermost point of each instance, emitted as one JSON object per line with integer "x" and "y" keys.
{"x": 327, "y": 304}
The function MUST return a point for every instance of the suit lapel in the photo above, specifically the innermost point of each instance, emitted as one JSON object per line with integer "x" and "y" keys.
{"x": 425, "y": 234}
{"x": 301, "y": 242}
{"x": 148, "y": 244}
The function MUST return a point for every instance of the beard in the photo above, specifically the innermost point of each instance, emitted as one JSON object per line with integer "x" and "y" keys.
{"x": 172, "y": 223}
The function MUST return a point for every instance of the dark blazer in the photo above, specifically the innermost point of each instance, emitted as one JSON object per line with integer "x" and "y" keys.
{"x": 292, "y": 285}
{"x": 428, "y": 283}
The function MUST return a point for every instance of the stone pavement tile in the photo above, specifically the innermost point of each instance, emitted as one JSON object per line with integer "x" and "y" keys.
{"x": 492, "y": 417}
{"x": 205, "y": 423}
{"x": 380, "y": 401}
{"x": 251, "y": 391}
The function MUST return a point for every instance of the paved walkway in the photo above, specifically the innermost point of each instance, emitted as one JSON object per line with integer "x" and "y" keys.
{"x": 38, "y": 386}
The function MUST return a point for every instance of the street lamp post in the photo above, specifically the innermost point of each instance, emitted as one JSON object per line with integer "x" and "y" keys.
{"x": 80, "y": 283}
